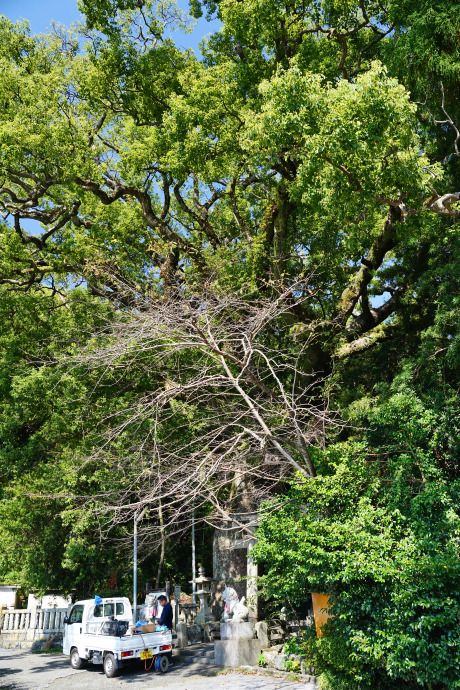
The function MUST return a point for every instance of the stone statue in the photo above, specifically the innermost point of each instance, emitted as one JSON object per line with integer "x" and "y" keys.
{"x": 240, "y": 611}
{"x": 234, "y": 608}
{"x": 230, "y": 598}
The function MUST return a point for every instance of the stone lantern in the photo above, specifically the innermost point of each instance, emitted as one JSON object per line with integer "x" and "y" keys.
{"x": 203, "y": 587}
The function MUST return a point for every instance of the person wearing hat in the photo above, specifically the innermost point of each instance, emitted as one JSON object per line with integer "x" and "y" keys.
{"x": 166, "y": 617}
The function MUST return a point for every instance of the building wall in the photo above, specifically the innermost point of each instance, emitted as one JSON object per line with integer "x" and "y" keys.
{"x": 50, "y": 600}
{"x": 9, "y": 596}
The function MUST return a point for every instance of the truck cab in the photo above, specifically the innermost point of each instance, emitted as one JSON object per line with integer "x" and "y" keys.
{"x": 87, "y": 617}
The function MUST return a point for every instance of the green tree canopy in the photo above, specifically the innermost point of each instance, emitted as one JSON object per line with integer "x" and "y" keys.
{"x": 277, "y": 221}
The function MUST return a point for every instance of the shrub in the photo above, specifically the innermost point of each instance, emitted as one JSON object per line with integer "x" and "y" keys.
{"x": 379, "y": 532}
{"x": 262, "y": 660}
{"x": 292, "y": 665}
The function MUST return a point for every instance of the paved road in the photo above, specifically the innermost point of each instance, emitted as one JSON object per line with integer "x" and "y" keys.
{"x": 25, "y": 671}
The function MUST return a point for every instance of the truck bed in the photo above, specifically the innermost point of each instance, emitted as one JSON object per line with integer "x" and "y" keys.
{"x": 135, "y": 643}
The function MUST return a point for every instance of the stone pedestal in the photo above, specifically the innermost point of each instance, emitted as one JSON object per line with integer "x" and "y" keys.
{"x": 236, "y": 646}
{"x": 234, "y": 653}
{"x": 236, "y": 630}
{"x": 194, "y": 634}
{"x": 211, "y": 631}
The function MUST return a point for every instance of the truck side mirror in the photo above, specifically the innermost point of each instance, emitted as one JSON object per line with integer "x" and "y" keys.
{"x": 66, "y": 620}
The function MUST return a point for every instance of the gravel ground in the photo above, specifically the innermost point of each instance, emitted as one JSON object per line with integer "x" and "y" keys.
{"x": 21, "y": 670}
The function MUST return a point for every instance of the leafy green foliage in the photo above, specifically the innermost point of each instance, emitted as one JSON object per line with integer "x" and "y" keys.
{"x": 379, "y": 533}
{"x": 292, "y": 665}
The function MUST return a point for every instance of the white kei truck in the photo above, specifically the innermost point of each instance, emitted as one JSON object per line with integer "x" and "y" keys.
{"x": 104, "y": 634}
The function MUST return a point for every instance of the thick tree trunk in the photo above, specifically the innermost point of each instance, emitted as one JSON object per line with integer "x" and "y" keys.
{"x": 284, "y": 210}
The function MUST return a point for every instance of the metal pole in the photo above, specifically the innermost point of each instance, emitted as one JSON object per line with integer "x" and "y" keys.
{"x": 135, "y": 570}
{"x": 193, "y": 558}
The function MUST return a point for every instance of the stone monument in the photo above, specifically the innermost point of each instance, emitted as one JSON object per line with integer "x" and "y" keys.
{"x": 233, "y": 563}
{"x": 237, "y": 646}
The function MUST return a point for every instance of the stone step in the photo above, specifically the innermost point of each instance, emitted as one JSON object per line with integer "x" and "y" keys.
{"x": 203, "y": 656}
{"x": 208, "y": 654}
{"x": 200, "y": 651}
{"x": 196, "y": 667}
{"x": 205, "y": 660}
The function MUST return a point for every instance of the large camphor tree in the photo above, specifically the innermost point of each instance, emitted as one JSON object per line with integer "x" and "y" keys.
{"x": 264, "y": 241}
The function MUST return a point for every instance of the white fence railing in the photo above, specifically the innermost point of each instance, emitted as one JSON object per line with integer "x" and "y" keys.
{"x": 41, "y": 620}
{"x": 50, "y": 621}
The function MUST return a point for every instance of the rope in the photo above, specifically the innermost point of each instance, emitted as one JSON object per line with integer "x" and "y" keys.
{"x": 145, "y": 648}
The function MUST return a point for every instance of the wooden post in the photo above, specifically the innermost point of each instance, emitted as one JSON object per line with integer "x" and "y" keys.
{"x": 320, "y": 610}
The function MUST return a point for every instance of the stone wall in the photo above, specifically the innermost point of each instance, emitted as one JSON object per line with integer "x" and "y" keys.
{"x": 29, "y": 639}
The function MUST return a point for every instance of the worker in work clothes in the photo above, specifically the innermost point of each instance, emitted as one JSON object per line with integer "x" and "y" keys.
{"x": 166, "y": 617}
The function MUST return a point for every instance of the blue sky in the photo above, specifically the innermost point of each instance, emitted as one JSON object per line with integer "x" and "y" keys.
{"x": 41, "y": 12}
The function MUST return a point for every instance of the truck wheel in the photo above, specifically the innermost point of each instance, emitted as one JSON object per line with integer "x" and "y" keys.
{"x": 161, "y": 664}
{"x": 110, "y": 665}
{"x": 75, "y": 661}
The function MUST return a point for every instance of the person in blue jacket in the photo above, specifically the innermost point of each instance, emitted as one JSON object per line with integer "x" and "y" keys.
{"x": 166, "y": 617}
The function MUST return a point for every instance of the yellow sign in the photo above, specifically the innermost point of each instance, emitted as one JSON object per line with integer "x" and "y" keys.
{"x": 146, "y": 655}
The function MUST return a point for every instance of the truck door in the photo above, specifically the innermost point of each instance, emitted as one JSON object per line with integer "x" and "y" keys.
{"x": 73, "y": 629}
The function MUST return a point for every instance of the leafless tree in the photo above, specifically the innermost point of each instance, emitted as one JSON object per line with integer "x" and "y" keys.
{"x": 227, "y": 411}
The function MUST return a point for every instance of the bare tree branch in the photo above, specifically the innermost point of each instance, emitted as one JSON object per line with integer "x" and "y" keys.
{"x": 223, "y": 405}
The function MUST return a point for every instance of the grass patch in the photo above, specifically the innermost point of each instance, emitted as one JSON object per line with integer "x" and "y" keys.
{"x": 293, "y": 676}
{"x": 51, "y": 650}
